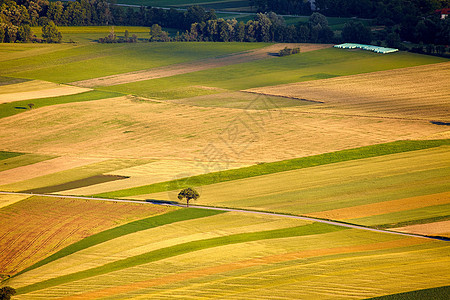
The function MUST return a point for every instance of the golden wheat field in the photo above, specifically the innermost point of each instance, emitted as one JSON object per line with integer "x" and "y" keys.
{"x": 414, "y": 93}
{"x": 34, "y": 228}
{"x": 125, "y": 128}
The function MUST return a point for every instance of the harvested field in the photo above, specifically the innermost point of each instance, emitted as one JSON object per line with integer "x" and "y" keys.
{"x": 159, "y": 171}
{"x": 61, "y": 90}
{"x": 436, "y": 228}
{"x": 27, "y": 86}
{"x": 345, "y": 185}
{"x": 293, "y": 265}
{"x": 242, "y": 100}
{"x": 384, "y": 207}
{"x": 96, "y": 179}
{"x": 75, "y": 177}
{"x": 124, "y": 127}
{"x": 152, "y": 239}
{"x": 30, "y": 231}
{"x": 6, "y": 199}
{"x": 22, "y": 160}
{"x": 44, "y": 167}
{"x": 414, "y": 93}
{"x": 184, "y": 68}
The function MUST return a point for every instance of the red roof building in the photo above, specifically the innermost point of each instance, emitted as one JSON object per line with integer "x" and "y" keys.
{"x": 443, "y": 12}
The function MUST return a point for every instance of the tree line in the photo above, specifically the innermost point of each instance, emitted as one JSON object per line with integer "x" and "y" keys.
{"x": 404, "y": 20}
{"x": 17, "y": 17}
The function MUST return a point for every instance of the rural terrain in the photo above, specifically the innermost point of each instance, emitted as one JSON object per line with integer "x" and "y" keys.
{"x": 349, "y": 136}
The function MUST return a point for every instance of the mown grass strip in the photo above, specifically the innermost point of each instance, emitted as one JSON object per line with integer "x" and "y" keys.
{"x": 13, "y": 108}
{"x": 151, "y": 222}
{"x": 280, "y": 166}
{"x": 437, "y": 293}
{"x": 6, "y": 154}
{"x": 311, "y": 229}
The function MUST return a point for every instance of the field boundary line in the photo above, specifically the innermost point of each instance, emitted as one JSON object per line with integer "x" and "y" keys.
{"x": 329, "y": 222}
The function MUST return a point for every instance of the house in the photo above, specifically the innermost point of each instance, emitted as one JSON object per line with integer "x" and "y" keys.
{"x": 443, "y": 12}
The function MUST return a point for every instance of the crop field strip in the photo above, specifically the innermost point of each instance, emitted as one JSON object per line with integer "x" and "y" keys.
{"x": 190, "y": 67}
{"x": 123, "y": 127}
{"x": 441, "y": 228}
{"x": 30, "y": 231}
{"x": 58, "y": 172}
{"x": 308, "y": 66}
{"x": 86, "y": 61}
{"x": 6, "y": 200}
{"x": 154, "y": 172}
{"x": 417, "y": 92}
{"x": 286, "y": 165}
{"x": 182, "y": 230}
{"x": 245, "y": 261}
{"x": 16, "y": 107}
{"x": 367, "y": 182}
{"x": 42, "y": 168}
{"x": 182, "y": 248}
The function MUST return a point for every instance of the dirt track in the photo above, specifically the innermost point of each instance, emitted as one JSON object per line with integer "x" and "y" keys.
{"x": 195, "y": 66}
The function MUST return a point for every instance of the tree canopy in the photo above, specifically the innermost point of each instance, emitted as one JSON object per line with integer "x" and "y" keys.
{"x": 188, "y": 194}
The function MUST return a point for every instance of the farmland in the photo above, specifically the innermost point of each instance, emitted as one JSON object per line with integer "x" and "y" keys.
{"x": 27, "y": 238}
{"x": 335, "y": 134}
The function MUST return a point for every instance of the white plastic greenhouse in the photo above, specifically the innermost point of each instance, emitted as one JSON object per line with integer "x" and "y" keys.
{"x": 375, "y": 49}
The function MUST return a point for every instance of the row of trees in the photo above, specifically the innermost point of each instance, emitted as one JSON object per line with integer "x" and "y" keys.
{"x": 407, "y": 20}
{"x": 265, "y": 27}
{"x": 17, "y": 17}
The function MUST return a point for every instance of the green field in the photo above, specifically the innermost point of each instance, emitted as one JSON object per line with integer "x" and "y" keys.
{"x": 296, "y": 68}
{"x": 78, "y": 62}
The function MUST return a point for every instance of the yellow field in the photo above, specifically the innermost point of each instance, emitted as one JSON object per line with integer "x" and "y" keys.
{"x": 30, "y": 231}
{"x": 36, "y": 89}
{"x": 412, "y": 93}
{"x": 336, "y": 186}
{"x": 126, "y": 128}
{"x": 6, "y": 200}
{"x": 437, "y": 228}
{"x": 384, "y": 207}
{"x": 27, "y": 86}
{"x": 43, "y": 168}
{"x": 155, "y": 238}
{"x": 338, "y": 265}
{"x": 158, "y": 171}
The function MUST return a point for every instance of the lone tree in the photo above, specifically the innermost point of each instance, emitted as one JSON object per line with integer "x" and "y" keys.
{"x": 189, "y": 194}
{"x": 6, "y": 293}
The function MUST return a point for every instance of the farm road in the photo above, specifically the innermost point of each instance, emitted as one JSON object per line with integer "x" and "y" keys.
{"x": 347, "y": 225}
{"x": 195, "y": 66}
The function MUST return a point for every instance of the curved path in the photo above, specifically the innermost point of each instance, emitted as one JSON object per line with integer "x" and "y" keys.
{"x": 347, "y": 225}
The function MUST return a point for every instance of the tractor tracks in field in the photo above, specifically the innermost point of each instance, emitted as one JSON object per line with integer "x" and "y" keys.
{"x": 324, "y": 221}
